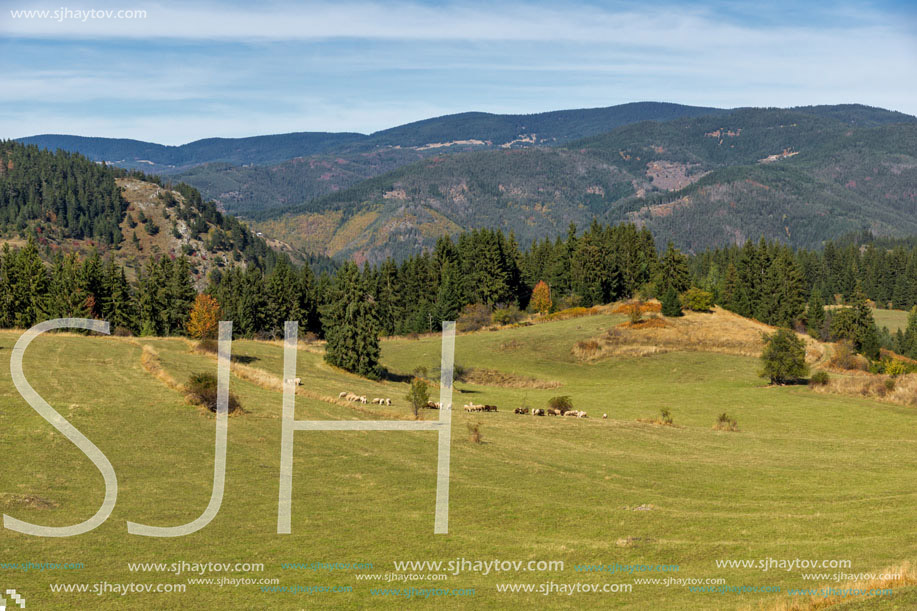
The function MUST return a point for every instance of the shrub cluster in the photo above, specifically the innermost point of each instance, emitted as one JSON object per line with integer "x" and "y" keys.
{"x": 202, "y": 390}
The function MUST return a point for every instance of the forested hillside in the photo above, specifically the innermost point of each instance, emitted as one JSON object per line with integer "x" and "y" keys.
{"x": 67, "y": 203}
{"x": 259, "y": 175}
{"x": 802, "y": 176}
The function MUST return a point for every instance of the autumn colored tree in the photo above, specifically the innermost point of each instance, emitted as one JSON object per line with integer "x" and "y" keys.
{"x": 204, "y": 318}
{"x": 541, "y": 297}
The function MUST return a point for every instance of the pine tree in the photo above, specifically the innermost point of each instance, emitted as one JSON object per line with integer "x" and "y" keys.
{"x": 673, "y": 272}
{"x": 180, "y": 294}
{"x": 7, "y": 314}
{"x": 91, "y": 281}
{"x": 671, "y": 305}
{"x": 118, "y": 306}
{"x": 908, "y": 342}
{"x": 66, "y": 296}
{"x": 448, "y": 302}
{"x": 867, "y": 335}
{"x": 784, "y": 357}
{"x": 351, "y": 327}
{"x": 815, "y": 314}
{"x": 282, "y": 299}
{"x": 29, "y": 286}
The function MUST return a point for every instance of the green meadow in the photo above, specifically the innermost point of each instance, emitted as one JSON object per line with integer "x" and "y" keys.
{"x": 808, "y": 476}
{"x": 893, "y": 319}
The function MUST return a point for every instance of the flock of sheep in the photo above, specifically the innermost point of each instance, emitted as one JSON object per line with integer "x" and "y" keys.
{"x": 537, "y": 411}
{"x": 469, "y": 407}
{"x": 353, "y": 398}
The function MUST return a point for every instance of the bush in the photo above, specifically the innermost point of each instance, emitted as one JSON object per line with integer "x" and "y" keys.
{"x": 474, "y": 432}
{"x": 697, "y": 300}
{"x": 202, "y": 390}
{"x": 418, "y": 396}
{"x": 506, "y": 316}
{"x": 474, "y": 316}
{"x": 568, "y": 301}
{"x": 122, "y": 332}
{"x": 634, "y": 312}
{"x": 671, "y": 306}
{"x": 665, "y": 416}
{"x": 784, "y": 357}
{"x": 845, "y": 357}
{"x": 894, "y": 367}
{"x": 564, "y": 404}
{"x": 819, "y": 378}
{"x": 209, "y": 345}
{"x": 725, "y": 423}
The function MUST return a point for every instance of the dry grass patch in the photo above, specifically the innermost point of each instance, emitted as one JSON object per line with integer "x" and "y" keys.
{"x": 149, "y": 360}
{"x": 32, "y": 501}
{"x": 663, "y": 419}
{"x": 493, "y": 377}
{"x": 654, "y": 322}
{"x": 576, "y": 312}
{"x": 645, "y": 307}
{"x": 725, "y": 423}
{"x": 893, "y": 577}
{"x": 901, "y": 390}
{"x": 719, "y": 331}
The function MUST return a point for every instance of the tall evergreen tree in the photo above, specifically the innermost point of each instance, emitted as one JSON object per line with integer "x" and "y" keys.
{"x": 351, "y": 325}
{"x": 673, "y": 272}
{"x": 815, "y": 314}
{"x": 449, "y": 296}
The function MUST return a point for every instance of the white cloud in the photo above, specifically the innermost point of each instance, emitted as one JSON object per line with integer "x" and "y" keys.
{"x": 199, "y": 70}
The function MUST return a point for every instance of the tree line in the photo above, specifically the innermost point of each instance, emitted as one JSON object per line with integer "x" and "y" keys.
{"x": 486, "y": 269}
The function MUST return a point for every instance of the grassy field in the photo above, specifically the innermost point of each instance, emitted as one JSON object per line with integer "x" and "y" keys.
{"x": 893, "y": 319}
{"x": 809, "y": 476}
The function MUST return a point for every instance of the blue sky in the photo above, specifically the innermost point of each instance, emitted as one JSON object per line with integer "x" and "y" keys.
{"x": 193, "y": 69}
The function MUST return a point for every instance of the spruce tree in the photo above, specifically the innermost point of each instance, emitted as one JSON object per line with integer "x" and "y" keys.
{"x": 673, "y": 272}
{"x": 6, "y": 296}
{"x": 448, "y": 302}
{"x": 671, "y": 305}
{"x": 351, "y": 327}
{"x": 908, "y": 341}
{"x": 282, "y": 299}
{"x": 29, "y": 288}
{"x": 117, "y": 306}
{"x": 815, "y": 314}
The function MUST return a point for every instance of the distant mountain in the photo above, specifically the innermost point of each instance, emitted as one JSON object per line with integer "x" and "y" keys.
{"x": 162, "y": 159}
{"x": 801, "y": 175}
{"x": 253, "y": 176}
{"x": 699, "y": 176}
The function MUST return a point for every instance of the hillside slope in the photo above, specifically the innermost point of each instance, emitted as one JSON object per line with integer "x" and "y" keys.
{"x": 802, "y": 176}
{"x": 578, "y": 491}
{"x": 71, "y": 204}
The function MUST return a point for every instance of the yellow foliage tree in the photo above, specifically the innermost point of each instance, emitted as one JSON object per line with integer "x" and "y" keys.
{"x": 204, "y": 319}
{"x": 541, "y": 297}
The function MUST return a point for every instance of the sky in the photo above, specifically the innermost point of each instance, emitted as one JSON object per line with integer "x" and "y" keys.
{"x": 176, "y": 72}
